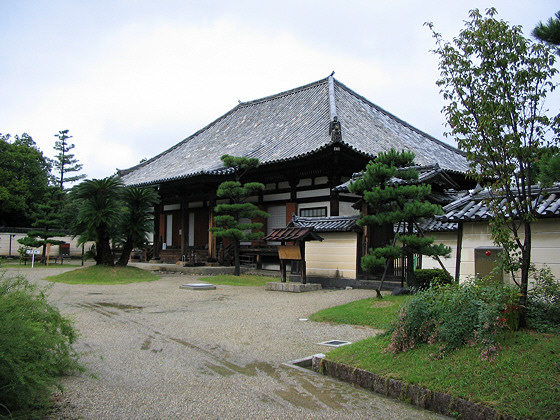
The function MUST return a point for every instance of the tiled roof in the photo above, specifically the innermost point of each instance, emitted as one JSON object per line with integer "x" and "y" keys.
{"x": 474, "y": 206}
{"x": 327, "y": 224}
{"x": 430, "y": 174}
{"x": 436, "y": 225}
{"x": 291, "y": 125}
{"x": 289, "y": 234}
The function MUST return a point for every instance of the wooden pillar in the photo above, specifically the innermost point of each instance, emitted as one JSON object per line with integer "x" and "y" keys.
{"x": 212, "y": 243}
{"x": 459, "y": 249}
{"x": 261, "y": 220}
{"x": 291, "y": 208}
{"x": 283, "y": 270}
{"x": 303, "y": 265}
{"x": 335, "y": 203}
{"x": 334, "y": 181}
{"x": 184, "y": 226}
{"x": 157, "y": 221}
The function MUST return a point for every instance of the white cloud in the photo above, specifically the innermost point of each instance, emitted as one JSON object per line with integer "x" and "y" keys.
{"x": 141, "y": 83}
{"x": 159, "y": 84}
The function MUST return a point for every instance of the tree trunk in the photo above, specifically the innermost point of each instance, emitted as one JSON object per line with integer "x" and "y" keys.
{"x": 237, "y": 270}
{"x": 525, "y": 268}
{"x": 125, "y": 256}
{"x": 410, "y": 278}
{"x": 104, "y": 254}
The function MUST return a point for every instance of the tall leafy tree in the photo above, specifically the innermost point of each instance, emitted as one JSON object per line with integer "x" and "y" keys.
{"x": 229, "y": 216}
{"x": 100, "y": 215}
{"x": 64, "y": 162}
{"x": 393, "y": 196}
{"x": 24, "y": 175}
{"x": 47, "y": 221}
{"x": 495, "y": 82}
{"x": 137, "y": 219}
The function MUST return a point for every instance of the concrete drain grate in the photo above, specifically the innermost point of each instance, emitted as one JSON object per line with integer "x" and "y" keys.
{"x": 305, "y": 364}
{"x": 334, "y": 343}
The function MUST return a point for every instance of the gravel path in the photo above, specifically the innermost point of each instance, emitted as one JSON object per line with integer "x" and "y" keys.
{"x": 155, "y": 351}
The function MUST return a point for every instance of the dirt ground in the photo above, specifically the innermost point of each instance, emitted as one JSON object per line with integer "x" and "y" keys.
{"x": 157, "y": 351}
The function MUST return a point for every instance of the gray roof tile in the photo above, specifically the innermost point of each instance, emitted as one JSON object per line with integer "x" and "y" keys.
{"x": 290, "y": 125}
{"x": 474, "y": 206}
{"x": 326, "y": 224}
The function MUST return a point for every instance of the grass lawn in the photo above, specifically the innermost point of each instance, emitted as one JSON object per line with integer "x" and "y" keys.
{"x": 523, "y": 380}
{"x": 373, "y": 312}
{"x": 243, "y": 280}
{"x": 17, "y": 264}
{"x": 99, "y": 274}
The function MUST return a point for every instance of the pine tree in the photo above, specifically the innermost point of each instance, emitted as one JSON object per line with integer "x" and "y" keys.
{"x": 390, "y": 189}
{"x": 549, "y": 32}
{"x": 228, "y": 215}
{"x": 64, "y": 162}
{"x": 47, "y": 221}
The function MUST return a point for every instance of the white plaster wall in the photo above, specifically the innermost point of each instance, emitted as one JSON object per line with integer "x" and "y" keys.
{"x": 75, "y": 251}
{"x": 335, "y": 256}
{"x": 545, "y": 248}
{"x": 449, "y": 239}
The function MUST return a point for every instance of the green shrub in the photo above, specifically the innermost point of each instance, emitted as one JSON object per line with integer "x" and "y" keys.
{"x": 428, "y": 277}
{"x": 35, "y": 347}
{"x": 543, "y": 303}
{"x": 454, "y": 315}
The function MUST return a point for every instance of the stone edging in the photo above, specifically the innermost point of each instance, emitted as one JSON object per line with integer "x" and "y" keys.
{"x": 292, "y": 287}
{"x": 437, "y": 402}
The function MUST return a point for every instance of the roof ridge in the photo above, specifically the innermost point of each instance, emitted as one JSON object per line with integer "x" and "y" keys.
{"x": 281, "y": 94}
{"x": 307, "y": 86}
{"x": 394, "y": 117}
{"x": 332, "y": 98}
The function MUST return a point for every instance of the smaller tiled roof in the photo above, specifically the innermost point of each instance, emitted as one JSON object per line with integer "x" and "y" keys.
{"x": 428, "y": 174}
{"x": 292, "y": 234}
{"x": 427, "y": 226}
{"x": 436, "y": 225}
{"x": 474, "y": 206}
{"x": 327, "y": 224}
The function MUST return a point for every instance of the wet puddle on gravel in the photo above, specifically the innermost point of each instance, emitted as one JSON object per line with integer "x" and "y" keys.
{"x": 296, "y": 388}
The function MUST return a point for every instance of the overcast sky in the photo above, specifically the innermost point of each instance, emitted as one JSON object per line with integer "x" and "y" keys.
{"x": 130, "y": 79}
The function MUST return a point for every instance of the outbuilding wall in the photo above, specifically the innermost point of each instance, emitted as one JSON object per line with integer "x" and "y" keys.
{"x": 545, "y": 248}
{"x": 75, "y": 250}
{"x": 333, "y": 257}
{"x": 449, "y": 239}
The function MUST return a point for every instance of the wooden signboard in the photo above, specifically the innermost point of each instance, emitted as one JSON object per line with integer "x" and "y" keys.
{"x": 289, "y": 252}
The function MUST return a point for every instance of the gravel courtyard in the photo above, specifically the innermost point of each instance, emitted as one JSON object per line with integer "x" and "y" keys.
{"x": 155, "y": 351}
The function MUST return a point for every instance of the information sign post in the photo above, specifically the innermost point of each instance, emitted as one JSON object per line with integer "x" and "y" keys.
{"x": 32, "y": 252}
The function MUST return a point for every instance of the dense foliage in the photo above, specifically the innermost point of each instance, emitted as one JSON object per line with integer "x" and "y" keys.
{"x": 47, "y": 221}
{"x": 394, "y": 197}
{"x": 543, "y": 304}
{"x": 110, "y": 213}
{"x": 35, "y": 346}
{"x": 495, "y": 82}
{"x": 549, "y": 32}
{"x": 24, "y": 177}
{"x": 474, "y": 312}
{"x": 235, "y": 220}
{"x": 427, "y": 277}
